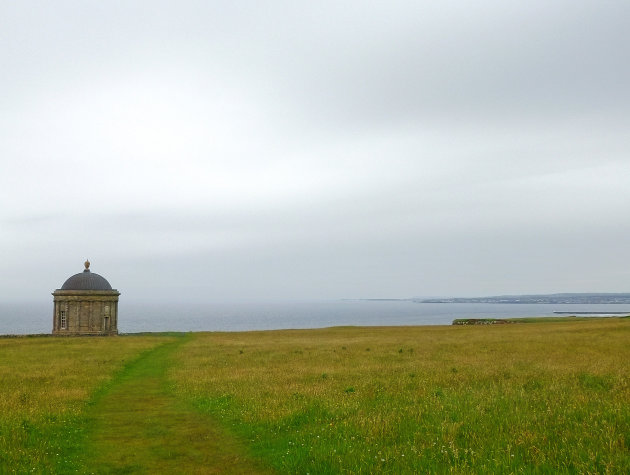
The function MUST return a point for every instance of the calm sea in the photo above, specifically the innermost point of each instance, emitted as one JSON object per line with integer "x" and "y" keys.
{"x": 28, "y": 318}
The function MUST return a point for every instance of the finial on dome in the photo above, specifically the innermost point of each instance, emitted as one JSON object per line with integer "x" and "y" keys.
{"x": 87, "y": 266}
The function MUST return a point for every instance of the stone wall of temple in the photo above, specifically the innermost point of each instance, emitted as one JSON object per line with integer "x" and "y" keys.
{"x": 82, "y": 312}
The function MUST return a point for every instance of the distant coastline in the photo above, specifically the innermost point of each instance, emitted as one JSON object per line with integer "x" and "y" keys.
{"x": 565, "y": 298}
{"x": 380, "y": 300}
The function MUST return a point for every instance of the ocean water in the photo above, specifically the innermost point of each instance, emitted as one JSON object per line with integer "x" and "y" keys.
{"x": 36, "y": 317}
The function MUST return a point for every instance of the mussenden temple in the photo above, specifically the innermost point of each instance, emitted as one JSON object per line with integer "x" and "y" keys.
{"x": 85, "y": 305}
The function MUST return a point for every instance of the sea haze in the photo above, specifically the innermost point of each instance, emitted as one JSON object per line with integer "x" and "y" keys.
{"x": 135, "y": 316}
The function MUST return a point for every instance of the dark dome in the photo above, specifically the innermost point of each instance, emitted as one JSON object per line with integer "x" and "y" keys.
{"x": 86, "y": 280}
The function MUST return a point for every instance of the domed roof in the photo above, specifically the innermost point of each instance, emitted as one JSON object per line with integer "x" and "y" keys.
{"x": 86, "y": 280}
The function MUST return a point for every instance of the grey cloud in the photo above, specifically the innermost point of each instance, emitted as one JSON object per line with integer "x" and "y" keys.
{"x": 315, "y": 149}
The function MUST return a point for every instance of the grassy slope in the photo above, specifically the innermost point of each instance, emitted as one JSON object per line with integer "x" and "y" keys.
{"x": 541, "y": 397}
{"x": 547, "y": 397}
{"x": 45, "y": 384}
{"x": 138, "y": 426}
{"x": 103, "y": 405}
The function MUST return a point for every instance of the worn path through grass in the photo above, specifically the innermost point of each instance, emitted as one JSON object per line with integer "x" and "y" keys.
{"x": 139, "y": 426}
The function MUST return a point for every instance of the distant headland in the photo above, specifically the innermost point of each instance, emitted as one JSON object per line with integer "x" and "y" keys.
{"x": 568, "y": 298}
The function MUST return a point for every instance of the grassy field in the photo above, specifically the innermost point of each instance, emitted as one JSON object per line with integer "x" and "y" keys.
{"x": 535, "y": 398}
{"x": 45, "y": 387}
{"x": 548, "y": 397}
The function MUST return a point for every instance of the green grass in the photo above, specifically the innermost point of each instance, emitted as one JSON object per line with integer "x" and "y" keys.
{"x": 136, "y": 425}
{"x": 45, "y": 386}
{"x": 544, "y": 398}
{"x": 104, "y": 405}
{"x": 536, "y": 398}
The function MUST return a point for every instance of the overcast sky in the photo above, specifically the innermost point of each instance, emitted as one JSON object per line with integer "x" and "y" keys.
{"x": 315, "y": 149}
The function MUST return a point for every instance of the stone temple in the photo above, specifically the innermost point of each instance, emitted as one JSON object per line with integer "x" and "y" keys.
{"x": 85, "y": 305}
